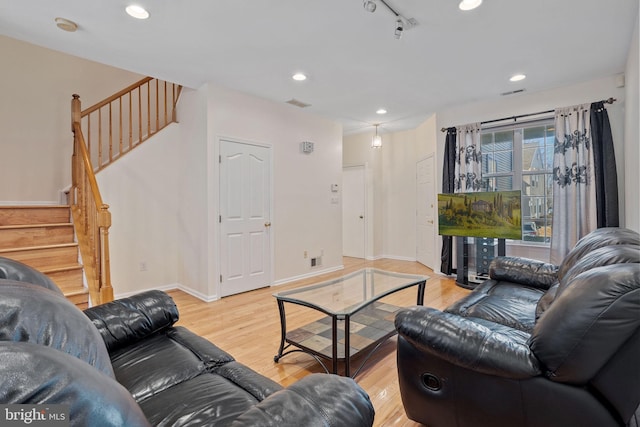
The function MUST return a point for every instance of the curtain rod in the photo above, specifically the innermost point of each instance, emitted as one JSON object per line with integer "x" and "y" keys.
{"x": 515, "y": 118}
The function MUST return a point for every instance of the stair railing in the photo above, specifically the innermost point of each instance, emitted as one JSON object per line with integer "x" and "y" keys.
{"x": 102, "y": 134}
{"x": 124, "y": 120}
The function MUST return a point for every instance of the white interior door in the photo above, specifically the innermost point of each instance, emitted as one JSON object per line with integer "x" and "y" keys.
{"x": 353, "y": 211}
{"x": 245, "y": 219}
{"x": 426, "y": 208}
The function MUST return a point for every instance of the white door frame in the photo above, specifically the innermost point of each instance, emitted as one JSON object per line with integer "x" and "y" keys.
{"x": 369, "y": 219}
{"x": 366, "y": 239}
{"x": 215, "y": 238}
{"x": 431, "y": 263}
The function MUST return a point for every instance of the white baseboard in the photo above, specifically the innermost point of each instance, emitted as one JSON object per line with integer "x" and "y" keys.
{"x": 307, "y": 275}
{"x": 165, "y": 288}
{"x": 398, "y": 258}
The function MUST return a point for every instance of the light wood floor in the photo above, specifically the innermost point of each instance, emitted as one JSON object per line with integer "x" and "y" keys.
{"x": 248, "y": 327}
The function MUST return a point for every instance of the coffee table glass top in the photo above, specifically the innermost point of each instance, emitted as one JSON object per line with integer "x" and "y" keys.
{"x": 348, "y": 294}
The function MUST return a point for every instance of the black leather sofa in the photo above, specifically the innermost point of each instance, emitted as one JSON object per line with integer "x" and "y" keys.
{"x": 536, "y": 345}
{"x": 124, "y": 363}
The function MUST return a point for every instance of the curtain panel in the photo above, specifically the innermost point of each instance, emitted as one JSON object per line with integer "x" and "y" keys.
{"x": 574, "y": 207}
{"x": 605, "y": 172}
{"x": 468, "y": 168}
{"x": 448, "y": 186}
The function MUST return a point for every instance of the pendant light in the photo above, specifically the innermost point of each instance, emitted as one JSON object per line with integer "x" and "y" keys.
{"x": 376, "y": 142}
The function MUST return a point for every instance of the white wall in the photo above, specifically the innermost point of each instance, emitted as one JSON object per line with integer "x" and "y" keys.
{"x": 395, "y": 181}
{"x": 632, "y": 135}
{"x": 304, "y": 219}
{"x": 525, "y": 103}
{"x": 191, "y": 168}
{"x": 142, "y": 190}
{"x": 35, "y": 116}
{"x": 170, "y": 184}
{"x": 392, "y": 185}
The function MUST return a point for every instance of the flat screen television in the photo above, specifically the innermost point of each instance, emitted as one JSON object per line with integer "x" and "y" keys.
{"x": 495, "y": 214}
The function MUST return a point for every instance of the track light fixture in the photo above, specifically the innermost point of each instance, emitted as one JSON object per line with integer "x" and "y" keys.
{"x": 399, "y": 28}
{"x": 369, "y": 5}
{"x": 402, "y": 23}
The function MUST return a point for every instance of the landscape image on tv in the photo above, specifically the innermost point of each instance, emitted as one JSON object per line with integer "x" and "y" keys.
{"x": 494, "y": 214}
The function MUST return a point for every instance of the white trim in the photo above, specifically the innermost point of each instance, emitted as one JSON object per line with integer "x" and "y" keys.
{"x": 399, "y": 258}
{"x": 170, "y": 287}
{"x": 307, "y": 275}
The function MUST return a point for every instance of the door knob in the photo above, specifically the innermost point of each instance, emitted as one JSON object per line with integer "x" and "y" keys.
{"x": 361, "y": 216}
{"x": 430, "y": 221}
{"x": 267, "y": 224}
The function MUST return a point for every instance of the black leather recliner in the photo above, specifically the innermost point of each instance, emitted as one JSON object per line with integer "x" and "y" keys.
{"x": 537, "y": 345}
{"x": 124, "y": 363}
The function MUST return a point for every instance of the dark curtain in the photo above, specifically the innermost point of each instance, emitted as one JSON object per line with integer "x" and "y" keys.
{"x": 606, "y": 177}
{"x": 448, "y": 178}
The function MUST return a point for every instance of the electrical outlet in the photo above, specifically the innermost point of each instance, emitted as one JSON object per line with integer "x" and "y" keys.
{"x": 143, "y": 265}
{"x": 305, "y": 254}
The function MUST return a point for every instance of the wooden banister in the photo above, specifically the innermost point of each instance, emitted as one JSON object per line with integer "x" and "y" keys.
{"x": 91, "y": 215}
{"x": 119, "y": 123}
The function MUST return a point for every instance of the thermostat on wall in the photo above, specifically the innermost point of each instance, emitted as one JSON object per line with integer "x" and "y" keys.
{"x": 307, "y": 147}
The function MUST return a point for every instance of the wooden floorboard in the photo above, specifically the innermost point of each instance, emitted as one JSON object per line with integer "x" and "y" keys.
{"x": 248, "y": 327}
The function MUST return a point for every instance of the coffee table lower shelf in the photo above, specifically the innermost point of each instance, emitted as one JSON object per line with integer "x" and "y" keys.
{"x": 368, "y": 329}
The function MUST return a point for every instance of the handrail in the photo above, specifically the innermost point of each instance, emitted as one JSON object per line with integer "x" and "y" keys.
{"x": 135, "y": 121}
{"x": 91, "y": 218}
{"x": 115, "y": 96}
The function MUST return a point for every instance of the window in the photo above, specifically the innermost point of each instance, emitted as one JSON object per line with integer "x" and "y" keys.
{"x": 520, "y": 157}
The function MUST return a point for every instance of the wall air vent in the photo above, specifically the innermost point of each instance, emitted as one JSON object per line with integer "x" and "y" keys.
{"x": 297, "y": 103}
{"x": 512, "y": 92}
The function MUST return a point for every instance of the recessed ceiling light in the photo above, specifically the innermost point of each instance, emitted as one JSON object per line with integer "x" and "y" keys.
{"x": 66, "y": 25}
{"x": 381, "y": 111}
{"x": 137, "y": 12}
{"x": 517, "y": 77}
{"x": 299, "y": 77}
{"x": 469, "y": 4}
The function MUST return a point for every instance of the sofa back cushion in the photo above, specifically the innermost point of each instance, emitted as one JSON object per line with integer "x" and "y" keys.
{"x": 618, "y": 254}
{"x": 607, "y": 236}
{"x": 31, "y": 313}
{"x": 588, "y": 322}
{"x": 129, "y": 320}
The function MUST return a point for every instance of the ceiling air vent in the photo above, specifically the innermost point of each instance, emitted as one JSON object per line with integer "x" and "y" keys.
{"x": 512, "y": 92}
{"x": 297, "y": 103}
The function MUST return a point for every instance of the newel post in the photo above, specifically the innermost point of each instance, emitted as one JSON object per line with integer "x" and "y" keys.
{"x": 104, "y": 222}
{"x": 76, "y": 110}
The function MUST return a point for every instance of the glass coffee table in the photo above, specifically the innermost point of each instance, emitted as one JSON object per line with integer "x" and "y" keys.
{"x": 356, "y": 322}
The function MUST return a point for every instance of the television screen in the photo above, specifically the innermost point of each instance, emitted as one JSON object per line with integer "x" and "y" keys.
{"x": 494, "y": 214}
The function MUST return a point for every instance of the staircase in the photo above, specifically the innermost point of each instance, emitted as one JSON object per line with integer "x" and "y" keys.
{"x": 43, "y": 237}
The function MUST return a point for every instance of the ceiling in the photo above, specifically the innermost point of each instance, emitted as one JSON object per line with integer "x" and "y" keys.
{"x": 354, "y": 63}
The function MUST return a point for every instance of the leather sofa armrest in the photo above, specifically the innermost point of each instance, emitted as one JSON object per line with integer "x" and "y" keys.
{"x": 465, "y": 343}
{"x": 127, "y": 320}
{"x": 36, "y": 374}
{"x": 524, "y": 271}
{"x": 316, "y": 400}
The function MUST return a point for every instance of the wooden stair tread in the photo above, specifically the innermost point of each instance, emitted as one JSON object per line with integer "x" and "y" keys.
{"x": 61, "y": 268}
{"x": 73, "y": 291}
{"x": 31, "y": 248}
{"x": 49, "y": 225}
{"x": 42, "y": 236}
{"x": 35, "y": 206}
